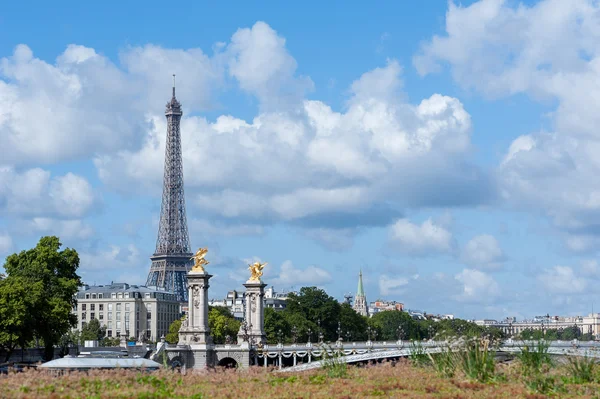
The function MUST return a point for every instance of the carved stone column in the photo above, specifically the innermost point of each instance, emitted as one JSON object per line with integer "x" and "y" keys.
{"x": 194, "y": 330}
{"x": 255, "y": 316}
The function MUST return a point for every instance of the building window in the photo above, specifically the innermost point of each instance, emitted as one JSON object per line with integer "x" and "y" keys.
{"x": 119, "y": 325}
{"x": 109, "y": 332}
{"x": 92, "y": 316}
{"x": 127, "y": 295}
{"x": 109, "y": 325}
{"x": 83, "y": 307}
{"x": 100, "y": 296}
{"x": 87, "y": 296}
{"x": 93, "y": 296}
{"x": 118, "y": 307}
{"x": 149, "y": 307}
{"x": 120, "y": 295}
{"x": 109, "y": 315}
{"x": 92, "y": 307}
{"x": 147, "y": 295}
{"x": 113, "y": 295}
{"x": 149, "y": 316}
{"x": 110, "y": 306}
{"x": 127, "y": 307}
{"x": 118, "y": 315}
{"x": 83, "y": 316}
{"x": 101, "y": 316}
{"x": 101, "y": 307}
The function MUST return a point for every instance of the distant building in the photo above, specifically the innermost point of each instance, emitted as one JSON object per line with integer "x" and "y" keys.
{"x": 129, "y": 310}
{"x": 589, "y": 324}
{"x": 235, "y": 301}
{"x": 360, "y": 301}
{"x": 380, "y": 306}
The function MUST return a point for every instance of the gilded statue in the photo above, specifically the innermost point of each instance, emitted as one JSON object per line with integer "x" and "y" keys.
{"x": 199, "y": 261}
{"x": 256, "y": 270}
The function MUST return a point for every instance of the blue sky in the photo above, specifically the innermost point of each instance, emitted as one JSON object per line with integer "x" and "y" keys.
{"x": 448, "y": 150}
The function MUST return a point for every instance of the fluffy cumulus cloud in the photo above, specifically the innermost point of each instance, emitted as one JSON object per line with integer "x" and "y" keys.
{"x": 477, "y": 287}
{"x": 298, "y": 159}
{"x": 548, "y": 50}
{"x": 424, "y": 239}
{"x": 289, "y": 275}
{"x": 562, "y": 280}
{"x": 123, "y": 263}
{"x": 86, "y": 105}
{"x": 484, "y": 252}
{"x": 35, "y": 192}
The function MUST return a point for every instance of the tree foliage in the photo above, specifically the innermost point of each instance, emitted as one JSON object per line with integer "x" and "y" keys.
{"x": 222, "y": 323}
{"x": 92, "y": 331}
{"x": 50, "y": 277}
{"x": 172, "y": 336}
{"x": 16, "y": 318}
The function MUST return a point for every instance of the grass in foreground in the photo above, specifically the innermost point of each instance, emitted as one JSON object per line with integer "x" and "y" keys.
{"x": 401, "y": 381}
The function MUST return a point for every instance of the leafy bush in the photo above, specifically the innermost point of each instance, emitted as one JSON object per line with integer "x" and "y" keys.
{"x": 476, "y": 361}
{"x": 544, "y": 384}
{"x": 581, "y": 369}
{"x": 533, "y": 358}
{"x": 445, "y": 362}
{"x": 417, "y": 354}
{"x": 333, "y": 364}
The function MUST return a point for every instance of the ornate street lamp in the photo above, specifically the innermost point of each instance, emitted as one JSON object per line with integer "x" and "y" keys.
{"x": 374, "y": 335}
{"x": 339, "y": 330}
{"x": 279, "y": 335}
{"x": 369, "y": 332}
{"x": 309, "y": 335}
{"x": 400, "y": 331}
{"x": 294, "y": 334}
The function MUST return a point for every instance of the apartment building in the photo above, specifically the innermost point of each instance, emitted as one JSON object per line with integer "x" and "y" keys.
{"x": 129, "y": 310}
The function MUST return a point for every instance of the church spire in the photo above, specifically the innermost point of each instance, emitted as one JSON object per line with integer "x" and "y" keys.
{"x": 360, "y": 291}
{"x": 360, "y": 301}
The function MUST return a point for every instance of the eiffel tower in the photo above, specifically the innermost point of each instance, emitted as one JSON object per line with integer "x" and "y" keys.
{"x": 171, "y": 260}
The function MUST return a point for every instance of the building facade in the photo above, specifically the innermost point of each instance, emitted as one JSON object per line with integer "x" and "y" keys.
{"x": 127, "y": 310}
{"x": 381, "y": 306}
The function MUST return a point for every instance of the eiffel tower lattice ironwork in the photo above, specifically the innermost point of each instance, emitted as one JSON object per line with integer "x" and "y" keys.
{"x": 171, "y": 260}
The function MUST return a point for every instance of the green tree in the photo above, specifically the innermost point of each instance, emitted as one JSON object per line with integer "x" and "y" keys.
{"x": 16, "y": 317}
{"x": 353, "y": 323}
{"x": 173, "y": 334}
{"x": 92, "y": 331}
{"x": 314, "y": 305}
{"x": 275, "y": 322}
{"x": 222, "y": 323}
{"x": 51, "y": 277}
{"x": 387, "y": 323}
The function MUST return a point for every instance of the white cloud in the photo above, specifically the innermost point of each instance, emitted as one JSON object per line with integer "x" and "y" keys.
{"x": 548, "y": 50}
{"x": 122, "y": 262}
{"x": 300, "y": 161}
{"x": 85, "y": 105}
{"x": 262, "y": 65}
{"x": 562, "y": 280}
{"x": 478, "y": 287}
{"x": 424, "y": 239}
{"x": 65, "y": 229}
{"x": 292, "y": 276}
{"x": 6, "y": 243}
{"x": 35, "y": 192}
{"x": 389, "y": 285}
{"x": 483, "y": 251}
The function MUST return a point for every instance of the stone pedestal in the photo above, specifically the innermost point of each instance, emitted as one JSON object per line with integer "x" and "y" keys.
{"x": 255, "y": 315}
{"x": 194, "y": 329}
